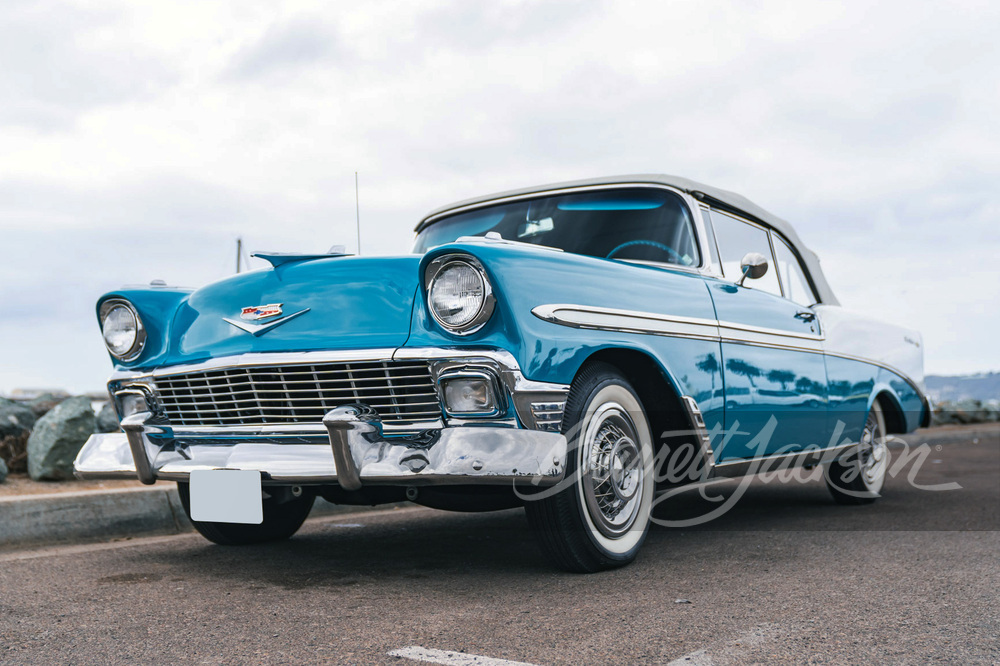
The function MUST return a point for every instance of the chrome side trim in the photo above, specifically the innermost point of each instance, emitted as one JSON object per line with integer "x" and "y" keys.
{"x": 627, "y": 321}
{"x": 882, "y": 364}
{"x": 734, "y": 330}
{"x": 651, "y": 323}
{"x": 780, "y": 460}
{"x": 633, "y": 321}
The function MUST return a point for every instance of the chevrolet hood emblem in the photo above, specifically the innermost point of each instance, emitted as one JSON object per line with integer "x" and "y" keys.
{"x": 262, "y": 312}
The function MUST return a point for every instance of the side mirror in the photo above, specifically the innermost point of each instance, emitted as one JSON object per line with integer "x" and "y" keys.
{"x": 754, "y": 266}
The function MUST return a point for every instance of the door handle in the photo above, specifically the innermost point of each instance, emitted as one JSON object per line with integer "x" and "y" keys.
{"x": 805, "y": 315}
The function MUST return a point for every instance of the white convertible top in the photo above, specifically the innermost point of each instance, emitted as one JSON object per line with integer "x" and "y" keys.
{"x": 712, "y": 195}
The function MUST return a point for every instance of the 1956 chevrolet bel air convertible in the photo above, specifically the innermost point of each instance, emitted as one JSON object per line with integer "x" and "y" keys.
{"x": 575, "y": 349}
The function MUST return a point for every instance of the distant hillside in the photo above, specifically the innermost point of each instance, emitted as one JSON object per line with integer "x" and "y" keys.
{"x": 982, "y": 387}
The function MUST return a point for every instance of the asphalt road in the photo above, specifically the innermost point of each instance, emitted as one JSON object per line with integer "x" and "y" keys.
{"x": 785, "y": 576}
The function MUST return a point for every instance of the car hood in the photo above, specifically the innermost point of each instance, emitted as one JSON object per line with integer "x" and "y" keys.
{"x": 327, "y": 304}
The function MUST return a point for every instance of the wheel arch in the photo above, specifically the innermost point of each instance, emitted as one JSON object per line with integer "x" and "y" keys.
{"x": 657, "y": 391}
{"x": 892, "y": 410}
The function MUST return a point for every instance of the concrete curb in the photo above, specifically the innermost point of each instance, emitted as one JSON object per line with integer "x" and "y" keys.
{"x": 104, "y": 515}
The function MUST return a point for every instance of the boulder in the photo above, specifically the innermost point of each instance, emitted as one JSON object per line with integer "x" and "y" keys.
{"x": 16, "y": 422}
{"x": 3, "y": 470}
{"x": 43, "y": 403}
{"x": 58, "y": 437}
{"x": 107, "y": 419}
{"x": 15, "y": 419}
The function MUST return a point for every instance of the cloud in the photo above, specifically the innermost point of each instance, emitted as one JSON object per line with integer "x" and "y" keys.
{"x": 61, "y": 60}
{"x": 285, "y": 46}
{"x": 140, "y": 139}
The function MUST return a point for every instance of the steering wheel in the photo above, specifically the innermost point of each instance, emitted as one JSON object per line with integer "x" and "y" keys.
{"x": 658, "y": 246}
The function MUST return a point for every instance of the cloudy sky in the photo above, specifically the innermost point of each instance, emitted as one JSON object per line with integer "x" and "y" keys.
{"x": 139, "y": 140}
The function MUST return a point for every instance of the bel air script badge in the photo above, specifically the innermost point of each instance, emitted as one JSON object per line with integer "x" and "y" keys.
{"x": 261, "y": 312}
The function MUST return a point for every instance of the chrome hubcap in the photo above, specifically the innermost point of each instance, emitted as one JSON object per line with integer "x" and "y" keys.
{"x": 613, "y": 475}
{"x": 872, "y": 452}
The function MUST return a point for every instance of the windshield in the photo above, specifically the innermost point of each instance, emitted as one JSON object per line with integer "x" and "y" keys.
{"x": 642, "y": 224}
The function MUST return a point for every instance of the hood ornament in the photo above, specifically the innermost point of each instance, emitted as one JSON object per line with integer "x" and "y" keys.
{"x": 258, "y": 312}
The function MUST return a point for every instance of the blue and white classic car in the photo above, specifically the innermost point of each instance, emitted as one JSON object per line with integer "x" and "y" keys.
{"x": 576, "y": 349}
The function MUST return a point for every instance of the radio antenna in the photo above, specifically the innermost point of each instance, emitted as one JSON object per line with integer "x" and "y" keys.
{"x": 239, "y": 253}
{"x": 357, "y": 210}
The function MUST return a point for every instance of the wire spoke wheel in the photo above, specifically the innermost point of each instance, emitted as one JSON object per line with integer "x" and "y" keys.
{"x": 872, "y": 454}
{"x": 612, "y": 477}
{"x": 600, "y": 517}
{"x": 858, "y": 477}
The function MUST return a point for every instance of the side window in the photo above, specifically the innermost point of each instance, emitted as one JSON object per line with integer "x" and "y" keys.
{"x": 736, "y": 238}
{"x": 793, "y": 277}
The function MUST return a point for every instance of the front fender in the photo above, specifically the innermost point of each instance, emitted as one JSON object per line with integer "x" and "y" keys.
{"x": 525, "y": 277}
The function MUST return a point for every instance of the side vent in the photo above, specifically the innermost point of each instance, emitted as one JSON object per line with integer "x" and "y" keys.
{"x": 548, "y": 415}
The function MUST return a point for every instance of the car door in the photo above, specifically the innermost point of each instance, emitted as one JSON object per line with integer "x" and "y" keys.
{"x": 773, "y": 365}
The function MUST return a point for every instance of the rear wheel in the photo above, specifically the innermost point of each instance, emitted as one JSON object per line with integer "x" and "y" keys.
{"x": 599, "y": 521}
{"x": 858, "y": 476}
{"x": 282, "y": 519}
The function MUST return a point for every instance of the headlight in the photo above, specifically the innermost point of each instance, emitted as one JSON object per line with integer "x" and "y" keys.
{"x": 459, "y": 294}
{"x": 122, "y": 329}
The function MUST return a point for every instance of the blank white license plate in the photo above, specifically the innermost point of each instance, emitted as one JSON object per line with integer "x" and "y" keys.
{"x": 226, "y": 496}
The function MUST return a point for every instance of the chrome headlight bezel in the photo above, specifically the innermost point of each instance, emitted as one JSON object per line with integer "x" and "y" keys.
{"x": 486, "y": 306}
{"x": 132, "y": 353}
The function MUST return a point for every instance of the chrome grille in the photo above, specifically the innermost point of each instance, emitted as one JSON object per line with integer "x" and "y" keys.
{"x": 401, "y": 392}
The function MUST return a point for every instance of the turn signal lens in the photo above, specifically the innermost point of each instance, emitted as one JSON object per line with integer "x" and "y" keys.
{"x": 470, "y": 395}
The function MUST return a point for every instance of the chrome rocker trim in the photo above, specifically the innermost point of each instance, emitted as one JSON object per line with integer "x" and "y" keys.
{"x": 355, "y": 455}
{"x": 711, "y": 469}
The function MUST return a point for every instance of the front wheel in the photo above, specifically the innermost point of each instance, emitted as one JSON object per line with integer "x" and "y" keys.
{"x": 858, "y": 476}
{"x": 282, "y": 519}
{"x": 599, "y": 518}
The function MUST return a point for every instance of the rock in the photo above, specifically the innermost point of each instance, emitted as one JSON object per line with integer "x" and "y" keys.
{"x": 3, "y": 470}
{"x": 15, "y": 419}
{"x": 43, "y": 403}
{"x": 969, "y": 411}
{"x": 966, "y": 411}
{"x": 16, "y": 422}
{"x": 58, "y": 437}
{"x": 107, "y": 419}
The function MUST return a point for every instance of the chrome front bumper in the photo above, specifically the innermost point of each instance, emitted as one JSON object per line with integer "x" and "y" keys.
{"x": 355, "y": 454}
